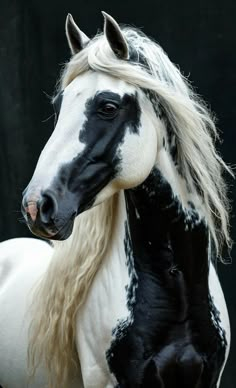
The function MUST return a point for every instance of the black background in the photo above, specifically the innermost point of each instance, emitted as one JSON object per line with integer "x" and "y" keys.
{"x": 199, "y": 36}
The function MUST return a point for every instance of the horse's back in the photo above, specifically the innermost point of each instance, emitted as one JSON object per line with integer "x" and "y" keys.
{"x": 22, "y": 262}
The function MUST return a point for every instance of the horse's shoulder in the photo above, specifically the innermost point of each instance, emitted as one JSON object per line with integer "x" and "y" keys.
{"x": 22, "y": 247}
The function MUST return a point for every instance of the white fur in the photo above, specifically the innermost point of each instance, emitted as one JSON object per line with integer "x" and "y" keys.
{"x": 23, "y": 261}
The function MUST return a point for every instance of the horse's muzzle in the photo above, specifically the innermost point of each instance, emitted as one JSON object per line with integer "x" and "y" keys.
{"x": 43, "y": 218}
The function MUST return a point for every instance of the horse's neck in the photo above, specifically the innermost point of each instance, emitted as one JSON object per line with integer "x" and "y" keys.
{"x": 167, "y": 248}
{"x": 164, "y": 233}
{"x": 156, "y": 252}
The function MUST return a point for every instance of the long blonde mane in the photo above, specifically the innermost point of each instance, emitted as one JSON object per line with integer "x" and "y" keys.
{"x": 64, "y": 288}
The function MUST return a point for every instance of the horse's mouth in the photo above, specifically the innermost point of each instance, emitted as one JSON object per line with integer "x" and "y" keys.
{"x": 52, "y": 232}
{"x": 64, "y": 232}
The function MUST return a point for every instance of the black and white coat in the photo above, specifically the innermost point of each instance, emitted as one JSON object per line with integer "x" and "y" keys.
{"x": 155, "y": 314}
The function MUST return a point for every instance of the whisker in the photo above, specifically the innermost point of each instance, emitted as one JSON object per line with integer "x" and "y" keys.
{"x": 52, "y": 115}
{"x": 47, "y": 95}
{"x": 22, "y": 220}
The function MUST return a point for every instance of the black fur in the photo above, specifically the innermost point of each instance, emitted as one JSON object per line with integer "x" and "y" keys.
{"x": 172, "y": 341}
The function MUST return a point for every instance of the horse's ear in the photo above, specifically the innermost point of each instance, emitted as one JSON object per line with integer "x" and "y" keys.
{"x": 115, "y": 37}
{"x": 75, "y": 37}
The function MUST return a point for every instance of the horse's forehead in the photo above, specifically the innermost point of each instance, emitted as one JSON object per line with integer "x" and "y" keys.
{"x": 92, "y": 82}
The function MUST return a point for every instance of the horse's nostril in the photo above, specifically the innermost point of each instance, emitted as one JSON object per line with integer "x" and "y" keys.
{"x": 48, "y": 208}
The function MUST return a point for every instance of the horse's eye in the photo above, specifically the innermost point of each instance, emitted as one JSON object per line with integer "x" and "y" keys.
{"x": 108, "y": 110}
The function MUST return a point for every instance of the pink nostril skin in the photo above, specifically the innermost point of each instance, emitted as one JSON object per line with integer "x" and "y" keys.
{"x": 32, "y": 209}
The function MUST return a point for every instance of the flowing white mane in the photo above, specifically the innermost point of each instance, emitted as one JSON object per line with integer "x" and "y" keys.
{"x": 76, "y": 261}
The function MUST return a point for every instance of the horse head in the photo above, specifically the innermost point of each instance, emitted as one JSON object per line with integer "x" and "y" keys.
{"x": 104, "y": 140}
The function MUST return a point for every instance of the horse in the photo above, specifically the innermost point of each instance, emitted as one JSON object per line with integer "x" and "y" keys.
{"x": 129, "y": 189}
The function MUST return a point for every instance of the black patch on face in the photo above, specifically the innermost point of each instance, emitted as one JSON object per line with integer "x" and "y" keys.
{"x": 172, "y": 340}
{"x": 127, "y": 116}
{"x": 102, "y": 134}
{"x": 78, "y": 182}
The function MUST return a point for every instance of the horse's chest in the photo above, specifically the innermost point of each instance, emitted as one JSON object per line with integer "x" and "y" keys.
{"x": 171, "y": 338}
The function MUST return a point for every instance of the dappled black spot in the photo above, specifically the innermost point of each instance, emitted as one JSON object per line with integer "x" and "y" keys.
{"x": 164, "y": 143}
